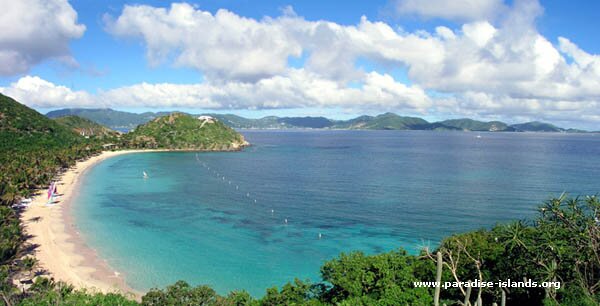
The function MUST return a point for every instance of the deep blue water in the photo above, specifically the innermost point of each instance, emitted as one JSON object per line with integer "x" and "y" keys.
{"x": 372, "y": 191}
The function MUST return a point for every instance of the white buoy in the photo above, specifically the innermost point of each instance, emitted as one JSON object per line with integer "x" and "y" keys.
{"x": 272, "y": 211}
{"x": 285, "y": 220}
{"x": 320, "y": 235}
{"x": 254, "y": 200}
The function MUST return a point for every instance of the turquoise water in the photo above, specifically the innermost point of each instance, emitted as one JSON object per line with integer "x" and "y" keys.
{"x": 361, "y": 190}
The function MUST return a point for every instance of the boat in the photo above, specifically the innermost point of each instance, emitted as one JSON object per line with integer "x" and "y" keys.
{"x": 51, "y": 192}
{"x": 145, "y": 174}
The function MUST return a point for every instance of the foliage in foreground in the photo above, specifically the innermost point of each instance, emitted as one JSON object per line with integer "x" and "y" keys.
{"x": 562, "y": 244}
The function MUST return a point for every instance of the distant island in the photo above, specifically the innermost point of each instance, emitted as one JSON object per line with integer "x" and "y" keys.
{"x": 120, "y": 120}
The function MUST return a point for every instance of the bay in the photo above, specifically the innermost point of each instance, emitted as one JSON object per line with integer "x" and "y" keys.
{"x": 339, "y": 191}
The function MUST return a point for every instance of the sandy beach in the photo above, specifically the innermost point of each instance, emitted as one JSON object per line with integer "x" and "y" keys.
{"x": 60, "y": 250}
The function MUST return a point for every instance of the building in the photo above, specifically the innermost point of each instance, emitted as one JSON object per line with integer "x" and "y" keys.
{"x": 110, "y": 146}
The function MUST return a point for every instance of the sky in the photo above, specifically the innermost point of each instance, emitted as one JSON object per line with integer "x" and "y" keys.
{"x": 515, "y": 61}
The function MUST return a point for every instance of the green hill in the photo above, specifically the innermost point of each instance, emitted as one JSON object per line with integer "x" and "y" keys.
{"x": 184, "y": 132}
{"x": 33, "y": 149}
{"x": 387, "y": 121}
{"x": 105, "y": 116}
{"x": 234, "y": 121}
{"x": 22, "y": 127}
{"x": 307, "y": 122}
{"x": 466, "y": 124}
{"x": 86, "y": 127}
{"x": 273, "y": 122}
{"x": 536, "y": 126}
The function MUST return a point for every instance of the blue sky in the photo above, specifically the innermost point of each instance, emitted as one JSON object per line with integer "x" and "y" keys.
{"x": 445, "y": 59}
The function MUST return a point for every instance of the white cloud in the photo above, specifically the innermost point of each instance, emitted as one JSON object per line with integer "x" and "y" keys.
{"x": 479, "y": 32}
{"x": 504, "y": 107}
{"x": 582, "y": 58}
{"x": 298, "y": 88}
{"x": 445, "y": 33}
{"x": 223, "y": 45}
{"x": 36, "y": 92}
{"x": 462, "y": 10}
{"x": 35, "y": 30}
{"x": 510, "y": 58}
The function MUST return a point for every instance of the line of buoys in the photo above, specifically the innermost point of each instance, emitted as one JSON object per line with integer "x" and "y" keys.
{"x": 237, "y": 187}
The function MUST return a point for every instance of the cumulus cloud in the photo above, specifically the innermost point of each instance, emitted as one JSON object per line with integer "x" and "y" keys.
{"x": 226, "y": 46}
{"x": 36, "y": 92}
{"x": 298, "y": 88}
{"x": 505, "y": 57}
{"x": 461, "y": 10}
{"x": 223, "y": 45}
{"x": 35, "y": 30}
{"x": 583, "y": 113}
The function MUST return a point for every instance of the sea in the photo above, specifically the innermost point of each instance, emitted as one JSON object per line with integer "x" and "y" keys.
{"x": 281, "y": 208}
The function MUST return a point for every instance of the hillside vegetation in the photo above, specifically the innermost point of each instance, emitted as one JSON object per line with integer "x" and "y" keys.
{"x": 184, "y": 132}
{"x": 387, "y": 121}
{"x": 86, "y": 127}
{"x": 474, "y": 125}
{"x": 536, "y": 126}
{"x": 106, "y": 116}
{"x": 33, "y": 149}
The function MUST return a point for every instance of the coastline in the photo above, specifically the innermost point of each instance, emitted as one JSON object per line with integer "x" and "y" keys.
{"x": 61, "y": 251}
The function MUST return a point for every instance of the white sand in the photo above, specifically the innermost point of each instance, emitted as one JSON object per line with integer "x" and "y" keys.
{"x": 60, "y": 250}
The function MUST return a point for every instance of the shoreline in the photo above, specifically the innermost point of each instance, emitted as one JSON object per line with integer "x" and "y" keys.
{"x": 60, "y": 250}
